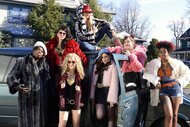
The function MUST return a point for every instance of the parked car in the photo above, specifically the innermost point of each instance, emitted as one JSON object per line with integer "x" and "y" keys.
{"x": 133, "y": 108}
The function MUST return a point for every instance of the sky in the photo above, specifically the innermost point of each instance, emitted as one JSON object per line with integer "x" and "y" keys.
{"x": 160, "y": 13}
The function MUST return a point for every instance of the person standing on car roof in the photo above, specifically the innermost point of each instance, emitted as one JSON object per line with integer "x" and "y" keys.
{"x": 57, "y": 48}
{"x": 169, "y": 76}
{"x": 29, "y": 77}
{"x": 105, "y": 88}
{"x": 90, "y": 30}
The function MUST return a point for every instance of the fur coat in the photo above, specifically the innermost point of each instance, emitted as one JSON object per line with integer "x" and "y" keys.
{"x": 137, "y": 58}
{"x": 110, "y": 79}
{"x": 31, "y": 105}
{"x": 180, "y": 73}
{"x": 53, "y": 57}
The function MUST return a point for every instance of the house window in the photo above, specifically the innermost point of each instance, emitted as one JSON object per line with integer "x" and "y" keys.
{"x": 188, "y": 43}
{"x": 179, "y": 44}
{"x": 23, "y": 42}
{"x": 18, "y": 14}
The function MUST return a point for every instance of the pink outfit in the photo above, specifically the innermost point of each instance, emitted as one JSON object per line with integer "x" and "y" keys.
{"x": 137, "y": 58}
{"x": 110, "y": 78}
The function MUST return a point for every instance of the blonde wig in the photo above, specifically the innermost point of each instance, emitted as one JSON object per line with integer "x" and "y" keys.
{"x": 79, "y": 68}
{"x": 89, "y": 22}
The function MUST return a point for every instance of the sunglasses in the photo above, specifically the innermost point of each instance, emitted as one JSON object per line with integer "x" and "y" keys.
{"x": 62, "y": 33}
{"x": 73, "y": 62}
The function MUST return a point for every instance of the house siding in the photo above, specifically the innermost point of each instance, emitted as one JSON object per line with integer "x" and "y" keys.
{"x": 14, "y": 14}
{"x": 183, "y": 52}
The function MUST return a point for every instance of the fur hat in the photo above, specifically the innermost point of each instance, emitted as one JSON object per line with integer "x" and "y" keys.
{"x": 86, "y": 8}
{"x": 41, "y": 44}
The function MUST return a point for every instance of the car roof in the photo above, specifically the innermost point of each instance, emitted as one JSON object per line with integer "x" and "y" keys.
{"x": 16, "y": 51}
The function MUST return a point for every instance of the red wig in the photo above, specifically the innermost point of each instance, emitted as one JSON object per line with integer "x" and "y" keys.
{"x": 167, "y": 45}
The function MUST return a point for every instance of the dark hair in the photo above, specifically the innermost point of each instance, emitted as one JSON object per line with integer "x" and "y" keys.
{"x": 68, "y": 33}
{"x": 100, "y": 66}
{"x": 131, "y": 37}
{"x": 166, "y": 44}
{"x": 128, "y": 36}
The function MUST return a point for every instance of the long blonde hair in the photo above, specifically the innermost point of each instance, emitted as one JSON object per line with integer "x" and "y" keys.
{"x": 79, "y": 68}
{"x": 89, "y": 22}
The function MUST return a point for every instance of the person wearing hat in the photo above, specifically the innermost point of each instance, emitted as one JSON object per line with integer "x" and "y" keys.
{"x": 169, "y": 76}
{"x": 90, "y": 30}
{"x": 104, "y": 88}
{"x": 28, "y": 77}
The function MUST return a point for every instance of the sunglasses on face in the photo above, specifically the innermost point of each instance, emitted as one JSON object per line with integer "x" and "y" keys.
{"x": 62, "y": 33}
{"x": 73, "y": 62}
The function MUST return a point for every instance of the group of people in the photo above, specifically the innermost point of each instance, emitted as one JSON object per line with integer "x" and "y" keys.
{"x": 57, "y": 67}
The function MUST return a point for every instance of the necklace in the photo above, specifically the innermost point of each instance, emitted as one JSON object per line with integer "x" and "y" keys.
{"x": 60, "y": 51}
{"x": 71, "y": 79}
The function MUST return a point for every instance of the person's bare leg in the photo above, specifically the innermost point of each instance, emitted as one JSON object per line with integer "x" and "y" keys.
{"x": 168, "y": 110}
{"x": 63, "y": 117}
{"x": 100, "y": 111}
{"x": 76, "y": 117}
{"x": 176, "y": 102}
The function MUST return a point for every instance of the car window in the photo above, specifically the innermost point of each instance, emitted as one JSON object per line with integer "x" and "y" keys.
{"x": 127, "y": 77}
{"x": 187, "y": 63}
{"x": 6, "y": 64}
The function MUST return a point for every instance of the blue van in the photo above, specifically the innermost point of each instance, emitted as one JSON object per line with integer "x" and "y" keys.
{"x": 134, "y": 109}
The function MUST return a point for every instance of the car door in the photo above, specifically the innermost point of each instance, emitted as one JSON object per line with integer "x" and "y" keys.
{"x": 128, "y": 99}
{"x": 8, "y": 102}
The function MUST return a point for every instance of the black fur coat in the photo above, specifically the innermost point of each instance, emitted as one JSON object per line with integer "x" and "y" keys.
{"x": 31, "y": 105}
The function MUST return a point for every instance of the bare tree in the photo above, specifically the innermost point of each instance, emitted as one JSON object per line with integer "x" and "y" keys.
{"x": 129, "y": 19}
{"x": 177, "y": 27}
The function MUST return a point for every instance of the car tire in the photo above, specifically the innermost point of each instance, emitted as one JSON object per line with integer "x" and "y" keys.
{"x": 160, "y": 123}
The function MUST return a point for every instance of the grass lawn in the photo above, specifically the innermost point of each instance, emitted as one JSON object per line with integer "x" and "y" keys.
{"x": 188, "y": 86}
